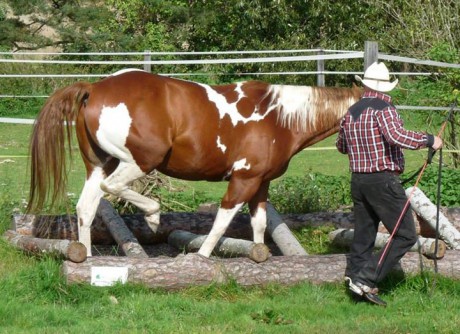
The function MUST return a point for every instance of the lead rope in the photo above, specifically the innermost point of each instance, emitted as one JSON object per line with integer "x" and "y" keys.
{"x": 431, "y": 153}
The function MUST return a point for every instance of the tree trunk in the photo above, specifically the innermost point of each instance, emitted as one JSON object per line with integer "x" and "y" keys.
{"x": 193, "y": 269}
{"x": 427, "y": 246}
{"x": 120, "y": 232}
{"x": 65, "y": 227}
{"x": 281, "y": 234}
{"x": 428, "y": 211}
{"x": 71, "y": 250}
{"x": 226, "y": 247}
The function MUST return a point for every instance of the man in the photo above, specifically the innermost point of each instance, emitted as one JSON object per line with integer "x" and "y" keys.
{"x": 373, "y": 135}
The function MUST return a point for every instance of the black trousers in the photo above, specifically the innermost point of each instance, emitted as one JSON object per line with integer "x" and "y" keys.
{"x": 378, "y": 197}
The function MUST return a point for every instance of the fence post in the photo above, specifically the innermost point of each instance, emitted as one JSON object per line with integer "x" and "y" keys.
{"x": 371, "y": 53}
{"x": 147, "y": 58}
{"x": 320, "y": 80}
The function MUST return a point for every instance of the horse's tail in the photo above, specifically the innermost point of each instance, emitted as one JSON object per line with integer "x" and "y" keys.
{"x": 48, "y": 171}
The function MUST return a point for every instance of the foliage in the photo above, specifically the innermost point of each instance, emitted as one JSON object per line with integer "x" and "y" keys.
{"x": 316, "y": 240}
{"x": 450, "y": 190}
{"x": 310, "y": 193}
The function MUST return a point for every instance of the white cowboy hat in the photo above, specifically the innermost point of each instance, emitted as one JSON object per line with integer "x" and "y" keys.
{"x": 377, "y": 77}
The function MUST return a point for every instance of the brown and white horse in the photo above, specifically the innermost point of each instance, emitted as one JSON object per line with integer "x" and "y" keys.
{"x": 133, "y": 122}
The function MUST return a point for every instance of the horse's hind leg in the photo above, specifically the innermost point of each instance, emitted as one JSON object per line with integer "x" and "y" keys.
{"x": 87, "y": 206}
{"x": 117, "y": 184}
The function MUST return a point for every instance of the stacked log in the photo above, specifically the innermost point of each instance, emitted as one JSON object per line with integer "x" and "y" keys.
{"x": 193, "y": 269}
{"x": 226, "y": 247}
{"x": 70, "y": 250}
{"x": 429, "y": 247}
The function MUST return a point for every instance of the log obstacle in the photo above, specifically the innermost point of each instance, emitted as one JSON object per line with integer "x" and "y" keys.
{"x": 193, "y": 269}
{"x": 70, "y": 250}
{"x": 65, "y": 226}
{"x": 427, "y": 246}
{"x": 120, "y": 232}
{"x": 428, "y": 211}
{"x": 226, "y": 247}
{"x": 281, "y": 234}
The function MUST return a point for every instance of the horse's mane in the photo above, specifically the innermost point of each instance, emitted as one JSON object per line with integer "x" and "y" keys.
{"x": 305, "y": 108}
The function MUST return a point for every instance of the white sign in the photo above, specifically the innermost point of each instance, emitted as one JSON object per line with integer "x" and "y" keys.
{"x": 108, "y": 276}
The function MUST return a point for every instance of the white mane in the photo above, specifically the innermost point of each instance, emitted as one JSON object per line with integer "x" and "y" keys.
{"x": 299, "y": 106}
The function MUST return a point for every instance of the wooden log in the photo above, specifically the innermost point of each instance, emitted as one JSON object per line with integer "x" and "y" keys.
{"x": 65, "y": 227}
{"x": 427, "y": 246}
{"x": 120, "y": 232}
{"x": 193, "y": 269}
{"x": 281, "y": 234}
{"x": 226, "y": 247}
{"x": 428, "y": 211}
{"x": 70, "y": 250}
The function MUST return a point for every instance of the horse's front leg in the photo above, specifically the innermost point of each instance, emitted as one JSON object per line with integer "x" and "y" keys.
{"x": 223, "y": 219}
{"x": 87, "y": 206}
{"x": 239, "y": 191}
{"x": 258, "y": 211}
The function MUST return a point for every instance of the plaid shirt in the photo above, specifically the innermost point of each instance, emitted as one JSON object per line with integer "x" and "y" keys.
{"x": 375, "y": 140}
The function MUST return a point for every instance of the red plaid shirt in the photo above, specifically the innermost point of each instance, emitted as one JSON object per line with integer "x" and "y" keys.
{"x": 375, "y": 140}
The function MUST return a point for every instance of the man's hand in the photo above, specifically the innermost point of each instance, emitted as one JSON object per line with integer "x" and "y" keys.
{"x": 437, "y": 143}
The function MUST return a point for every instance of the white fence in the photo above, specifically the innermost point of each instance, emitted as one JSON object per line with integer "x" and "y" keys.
{"x": 320, "y": 56}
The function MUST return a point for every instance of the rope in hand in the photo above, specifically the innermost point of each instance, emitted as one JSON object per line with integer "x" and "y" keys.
{"x": 420, "y": 172}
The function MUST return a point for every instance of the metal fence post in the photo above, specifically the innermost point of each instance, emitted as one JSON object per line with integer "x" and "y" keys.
{"x": 320, "y": 80}
{"x": 371, "y": 53}
{"x": 147, "y": 58}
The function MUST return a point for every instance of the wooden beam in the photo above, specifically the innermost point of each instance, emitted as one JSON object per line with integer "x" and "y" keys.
{"x": 120, "y": 232}
{"x": 281, "y": 234}
{"x": 70, "y": 250}
{"x": 226, "y": 247}
{"x": 428, "y": 212}
{"x": 193, "y": 269}
{"x": 427, "y": 246}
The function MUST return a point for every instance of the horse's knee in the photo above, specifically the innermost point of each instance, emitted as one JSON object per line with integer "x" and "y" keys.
{"x": 111, "y": 188}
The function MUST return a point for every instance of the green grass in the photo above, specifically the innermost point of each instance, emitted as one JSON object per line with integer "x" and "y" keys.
{"x": 36, "y": 300}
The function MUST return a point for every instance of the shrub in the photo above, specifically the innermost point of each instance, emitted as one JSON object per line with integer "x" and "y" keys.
{"x": 310, "y": 193}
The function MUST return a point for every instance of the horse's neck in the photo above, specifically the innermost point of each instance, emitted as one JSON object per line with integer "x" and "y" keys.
{"x": 311, "y": 113}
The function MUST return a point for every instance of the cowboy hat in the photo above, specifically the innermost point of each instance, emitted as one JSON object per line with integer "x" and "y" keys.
{"x": 377, "y": 78}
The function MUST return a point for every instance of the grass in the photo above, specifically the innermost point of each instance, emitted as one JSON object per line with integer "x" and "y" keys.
{"x": 36, "y": 299}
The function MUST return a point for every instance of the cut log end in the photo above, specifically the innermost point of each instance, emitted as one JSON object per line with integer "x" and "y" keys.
{"x": 259, "y": 253}
{"x": 438, "y": 253}
{"x": 76, "y": 252}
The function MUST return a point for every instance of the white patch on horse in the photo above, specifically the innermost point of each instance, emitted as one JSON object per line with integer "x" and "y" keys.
{"x": 241, "y": 164}
{"x": 126, "y": 70}
{"x": 295, "y": 105}
{"x": 230, "y": 109}
{"x": 259, "y": 224}
{"x": 223, "y": 219}
{"x": 114, "y": 125}
{"x": 222, "y": 147}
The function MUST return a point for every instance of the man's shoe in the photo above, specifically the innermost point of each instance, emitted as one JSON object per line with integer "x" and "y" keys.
{"x": 371, "y": 294}
{"x": 353, "y": 287}
{"x": 375, "y": 299}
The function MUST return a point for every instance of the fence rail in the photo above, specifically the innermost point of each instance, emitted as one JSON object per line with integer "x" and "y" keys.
{"x": 320, "y": 56}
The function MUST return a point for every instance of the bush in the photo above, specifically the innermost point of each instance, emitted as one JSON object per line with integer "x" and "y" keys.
{"x": 450, "y": 190}
{"x": 311, "y": 193}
